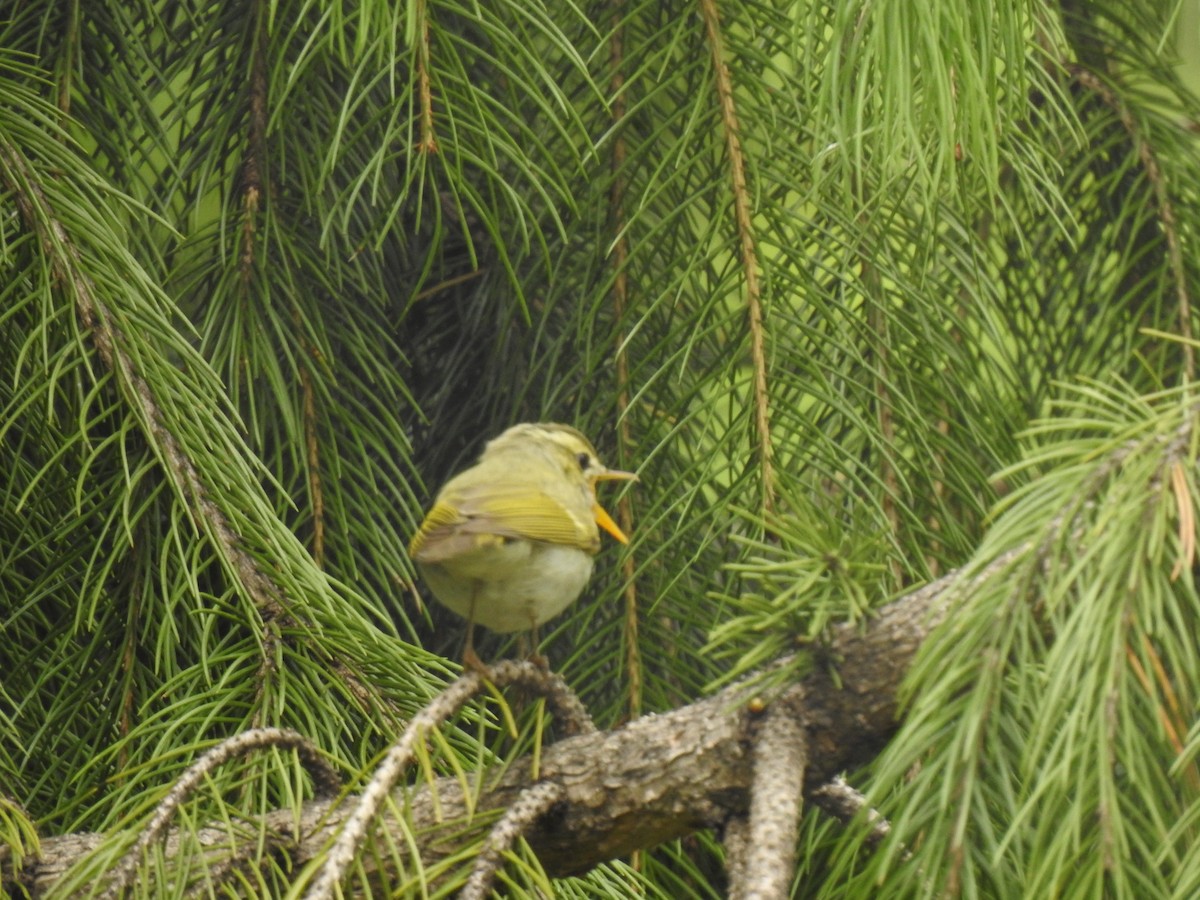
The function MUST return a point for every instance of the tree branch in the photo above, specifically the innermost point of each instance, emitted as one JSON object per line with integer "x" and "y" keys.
{"x": 746, "y": 244}
{"x": 655, "y": 779}
{"x": 768, "y": 843}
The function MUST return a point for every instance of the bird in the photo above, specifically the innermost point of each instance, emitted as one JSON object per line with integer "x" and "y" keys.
{"x": 509, "y": 543}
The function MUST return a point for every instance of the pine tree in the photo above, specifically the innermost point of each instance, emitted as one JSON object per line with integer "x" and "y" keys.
{"x": 869, "y": 294}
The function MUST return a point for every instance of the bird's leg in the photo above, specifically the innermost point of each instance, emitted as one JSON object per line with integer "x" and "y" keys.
{"x": 536, "y": 656}
{"x": 471, "y": 659}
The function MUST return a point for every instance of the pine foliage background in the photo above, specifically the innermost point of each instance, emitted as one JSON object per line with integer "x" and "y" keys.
{"x": 865, "y": 292}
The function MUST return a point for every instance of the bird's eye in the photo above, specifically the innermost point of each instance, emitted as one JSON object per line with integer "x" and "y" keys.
{"x": 584, "y": 461}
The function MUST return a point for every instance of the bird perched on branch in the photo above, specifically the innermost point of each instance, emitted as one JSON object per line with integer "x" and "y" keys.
{"x": 509, "y": 543}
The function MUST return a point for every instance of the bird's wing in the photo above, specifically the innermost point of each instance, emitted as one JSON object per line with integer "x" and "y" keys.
{"x": 457, "y": 523}
{"x": 441, "y": 523}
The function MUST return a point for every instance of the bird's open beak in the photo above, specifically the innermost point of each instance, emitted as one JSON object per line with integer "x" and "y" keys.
{"x": 603, "y": 519}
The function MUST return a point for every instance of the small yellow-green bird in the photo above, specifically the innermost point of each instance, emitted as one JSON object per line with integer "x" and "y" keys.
{"x": 509, "y": 542}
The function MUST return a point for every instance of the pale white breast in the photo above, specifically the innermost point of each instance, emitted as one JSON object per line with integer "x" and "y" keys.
{"x": 542, "y": 581}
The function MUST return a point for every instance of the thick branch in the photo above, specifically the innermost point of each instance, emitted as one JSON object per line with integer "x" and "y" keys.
{"x": 655, "y": 779}
{"x": 768, "y": 843}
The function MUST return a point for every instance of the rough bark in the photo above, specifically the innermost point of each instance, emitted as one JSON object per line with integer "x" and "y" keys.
{"x": 659, "y": 777}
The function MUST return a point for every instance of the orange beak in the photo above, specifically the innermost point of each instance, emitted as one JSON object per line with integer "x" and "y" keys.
{"x": 603, "y": 519}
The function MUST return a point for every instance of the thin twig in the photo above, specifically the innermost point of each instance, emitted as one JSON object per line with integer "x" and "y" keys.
{"x": 325, "y": 784}
{"x": 447, "y": 284}
{"x": 65, "y": 265}
{"x": 428, "y": 142}
{"x": 843, "y": 802}
{"x": 255, "y": 191}
{"x": 620, "y": 290}
{"x": 64, "y": 260}
{"x": 252, "y": 181}
{"x": 749, "y": 254}
{"x": 516, "y": 821}
{"x": 561, "y": 700}
{"x": 1162, "y": 197}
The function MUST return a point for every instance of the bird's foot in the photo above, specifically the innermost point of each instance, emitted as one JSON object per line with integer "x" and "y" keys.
{"x": 532, "y": 650}
{"x": 472, "y": 663}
